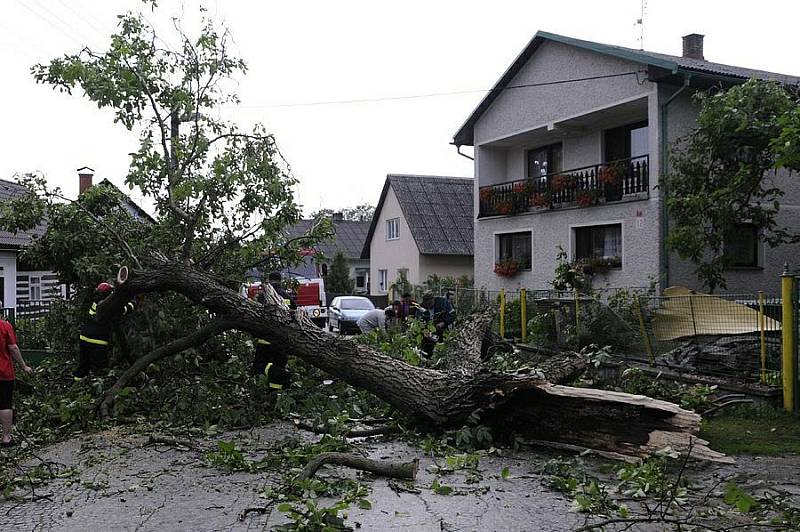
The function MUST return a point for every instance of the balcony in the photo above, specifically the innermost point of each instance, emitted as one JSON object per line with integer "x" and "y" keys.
{"x": 580, "y": 187}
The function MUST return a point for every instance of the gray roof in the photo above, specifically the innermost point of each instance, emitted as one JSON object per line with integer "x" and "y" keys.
{"x": 438, "y": 209}
{"x": 665, "y": 68}
{"x": 349, "y": 239}
{"x": 10, "y": 190}
{"x": 133, "y": 208}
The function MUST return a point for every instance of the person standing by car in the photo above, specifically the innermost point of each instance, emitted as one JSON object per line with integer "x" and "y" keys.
{"x": 9, "y": 353}
{"x": 375, "y": 319}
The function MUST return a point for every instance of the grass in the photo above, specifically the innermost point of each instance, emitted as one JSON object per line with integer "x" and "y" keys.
{"x": 751, "y": 430}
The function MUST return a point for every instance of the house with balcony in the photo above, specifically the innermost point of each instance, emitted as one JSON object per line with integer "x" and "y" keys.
{"x": 569, "y": 145}
{"x": 421, "y": 226}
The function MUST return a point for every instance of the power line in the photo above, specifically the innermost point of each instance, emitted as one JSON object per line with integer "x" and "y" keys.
{"x": 436, "y": 94}
{"x": 48, "y": 22}
{"x": 80, "y": 17}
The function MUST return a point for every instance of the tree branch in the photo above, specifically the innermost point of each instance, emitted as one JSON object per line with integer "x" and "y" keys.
{"x": 173, "y": 348}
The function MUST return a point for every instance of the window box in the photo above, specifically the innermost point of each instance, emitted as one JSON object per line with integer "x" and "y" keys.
{"x": 506, "y": 268}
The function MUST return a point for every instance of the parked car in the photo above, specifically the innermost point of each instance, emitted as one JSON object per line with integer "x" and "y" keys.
{"x": 345, "y": 312}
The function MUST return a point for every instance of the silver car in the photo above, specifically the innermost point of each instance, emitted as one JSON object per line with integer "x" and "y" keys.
{"x": 345, "y": 311}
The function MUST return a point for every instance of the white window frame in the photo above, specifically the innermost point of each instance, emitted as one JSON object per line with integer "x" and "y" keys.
{"x": 31, "y": 287}
{"x": 496, "y": 246}
{"x": 383, "y": 279}
{"x": 573, "y": 243}
{"x": 393, "y": 229}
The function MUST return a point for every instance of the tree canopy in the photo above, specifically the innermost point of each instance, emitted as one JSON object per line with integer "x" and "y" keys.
{"x": 359, "y": 213}
{"x": 723, "y": 173}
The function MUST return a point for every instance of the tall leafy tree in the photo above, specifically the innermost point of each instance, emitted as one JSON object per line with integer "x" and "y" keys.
{"x": 722, "y": 173}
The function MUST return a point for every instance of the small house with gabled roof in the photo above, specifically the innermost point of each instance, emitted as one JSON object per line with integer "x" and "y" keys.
{"x": 423, "y": 225}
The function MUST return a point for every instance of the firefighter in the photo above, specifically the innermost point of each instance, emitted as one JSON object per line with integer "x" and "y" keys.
{"x": 95, "y": 337}
{"x": 269, "y": 361}
{"x": 440, "y": 312}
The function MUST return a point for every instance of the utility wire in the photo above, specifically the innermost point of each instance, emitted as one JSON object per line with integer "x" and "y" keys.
{"x": 80, "y": 17}
{"x": 437, "y": 94}
{"x": 48, "y": 22}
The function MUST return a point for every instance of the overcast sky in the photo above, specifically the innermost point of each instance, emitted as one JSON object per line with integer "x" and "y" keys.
{"x": 303, "y": 52}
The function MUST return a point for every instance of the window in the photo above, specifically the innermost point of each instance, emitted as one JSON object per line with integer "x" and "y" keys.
{"x": 599, "y": 242}
{"x": 741, "y": 246}
{"x": 383, "y": 276}
{"x": 545, "y": 160}
{"x": 361, "y": 279}
{"x": 393, "y": 229}
{"x": 35, "y": 288}
{"x": 627, "y": 142}
{"x": 516, "y": 247}
{"x": 351, "y": 303}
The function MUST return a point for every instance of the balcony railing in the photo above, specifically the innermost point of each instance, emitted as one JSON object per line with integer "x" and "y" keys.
{"x": 579, "y": 187}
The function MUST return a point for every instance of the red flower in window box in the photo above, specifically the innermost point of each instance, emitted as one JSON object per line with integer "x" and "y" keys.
{"x": 609, "y": 175}
{"x": 541, "y": 199}
{"x": 504, "y": 207}
{"x": 586, "y": 198}
{"x": 563, "y": 182}
{"x": 518, "y": 188}
{"x": 486, "y": 194}
{"x": 506, "y": 268}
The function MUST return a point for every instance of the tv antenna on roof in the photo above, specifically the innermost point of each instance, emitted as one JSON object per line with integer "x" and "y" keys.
{"x": 640, "y": 23}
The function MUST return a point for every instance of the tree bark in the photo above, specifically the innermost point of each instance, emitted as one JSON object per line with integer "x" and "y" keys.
{"x": 526, "y": 405}
{"x": 403, "y": 470}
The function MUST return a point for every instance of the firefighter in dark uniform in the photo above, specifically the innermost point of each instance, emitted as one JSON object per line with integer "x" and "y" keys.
{"x": 269, "y": 361}
{"x": 95, "y": 337}
{"x": 439, "y": 311}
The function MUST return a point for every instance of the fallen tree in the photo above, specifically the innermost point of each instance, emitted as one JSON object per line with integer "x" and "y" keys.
{"x": 223, "y": 201}
{"x": 531, "y": 406}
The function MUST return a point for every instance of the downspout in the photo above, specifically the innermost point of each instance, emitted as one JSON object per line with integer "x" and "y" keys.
{"x": 458, "y": 150}
{"x": 663, "y": 163}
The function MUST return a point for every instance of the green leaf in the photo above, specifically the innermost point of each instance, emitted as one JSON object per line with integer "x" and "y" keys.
{"x": 504, "y": 474}
{"x": 364, "y": 504}
{"x": 285, "y": 507}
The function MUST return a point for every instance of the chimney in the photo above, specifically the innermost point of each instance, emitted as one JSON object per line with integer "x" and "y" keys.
{"x": 337, "y": 217}
{"x": 693, "y": 46}
{"x": 85, "y": 176}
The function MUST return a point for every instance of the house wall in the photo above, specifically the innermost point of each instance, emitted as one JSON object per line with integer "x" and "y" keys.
{"x": 445, "y": 266}
{"x": 681, "y": 121}
{"x": 392, "y": 255}
{"x": 527, "y": 108}
{"x": 8, "y": 263}
{"x": 50, "y": 288}
{"x": 520, "y": 110}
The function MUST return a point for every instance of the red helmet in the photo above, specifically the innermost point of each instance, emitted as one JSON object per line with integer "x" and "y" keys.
{"x": 104, "y": 288}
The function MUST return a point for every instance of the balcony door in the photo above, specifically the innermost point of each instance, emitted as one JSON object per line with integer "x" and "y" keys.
{"x": 626, "y": 142}
{"x": 544, "y": 160}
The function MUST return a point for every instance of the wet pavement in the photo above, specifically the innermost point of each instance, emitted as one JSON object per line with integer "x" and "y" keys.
{"x": 119, "y": 482}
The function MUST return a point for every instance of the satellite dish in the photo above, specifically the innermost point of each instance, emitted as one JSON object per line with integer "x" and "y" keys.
{"x": 122, "y": 275}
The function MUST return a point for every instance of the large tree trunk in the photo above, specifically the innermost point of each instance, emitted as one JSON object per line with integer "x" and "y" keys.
{"x": 528, "y": 405}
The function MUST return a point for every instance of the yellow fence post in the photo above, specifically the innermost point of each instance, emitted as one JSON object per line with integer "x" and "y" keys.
{"x": 502, "y": 313}
{"x": 787, "y": 327}
{"x": 523, "y": 310}
{"x": 762, "y": 326}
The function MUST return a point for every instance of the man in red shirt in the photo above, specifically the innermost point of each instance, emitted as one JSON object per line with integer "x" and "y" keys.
{"x": 8, "y": 350}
